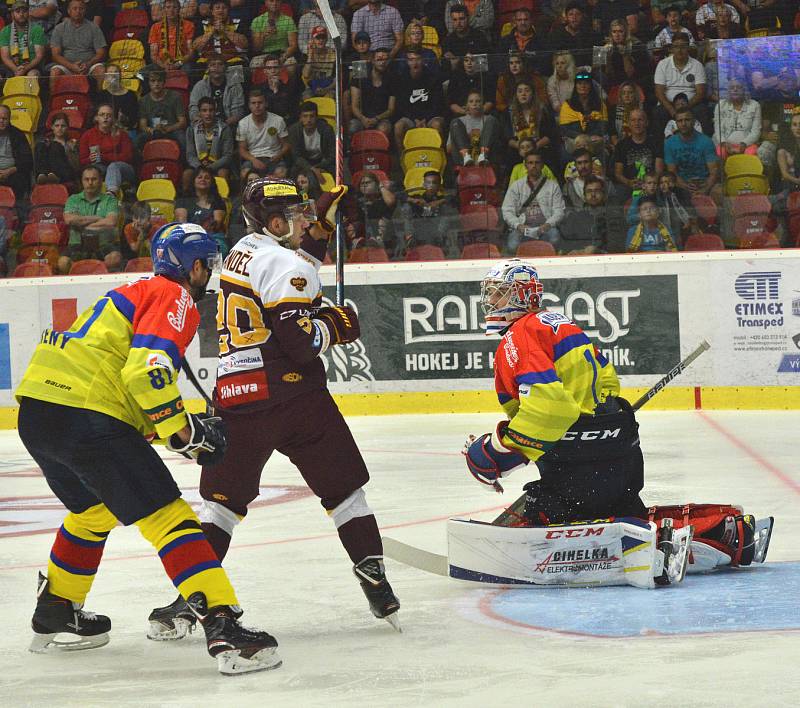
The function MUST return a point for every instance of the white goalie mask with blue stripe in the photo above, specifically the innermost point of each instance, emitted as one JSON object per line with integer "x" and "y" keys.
{"x": 509, "y": 290}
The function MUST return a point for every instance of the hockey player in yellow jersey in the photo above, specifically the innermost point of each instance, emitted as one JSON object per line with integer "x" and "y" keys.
{"x": 90, "y": 400}
{"x": 271, "y": 386}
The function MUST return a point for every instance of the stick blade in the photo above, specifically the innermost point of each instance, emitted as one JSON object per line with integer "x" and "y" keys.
{"x": 415, "y": 557}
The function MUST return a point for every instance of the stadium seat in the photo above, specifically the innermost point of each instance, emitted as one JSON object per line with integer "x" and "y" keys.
{"x": 705, "y": 207}
{"x": 746, "y": 184}
{"x": 162, "y": 169}
{"x": 126, "y": 49}
{"x": 178, "y": 81}
{"x": 38, "y": 253}
{"x": 430, "y": 40}
{"x": 27, "y": 104}
{"x": 48, "y": 233}
{"x": 160, "y": 195}
{"x": 762, "y": 240}
{"x": 88, "y": 266}
{"x": 368, "y": 254}
{"x": 22, "y": 85}
{"x": 476, "y": 176}
{"x": 32, "y": 269}
{"x": 425, "y": 252}
{"x": 7, "y": 197}
{"x": 380, "y": 174}
{"x": 422, "y": 138}
{"x": 471, "y": 198}
{"x": 139, "y": 265}
{"x": 71, "y": 83}
{"x": 475, "y": 251}
{"x": 539, "y": 249}
{"x": 704, "y": 242}
{"x": 49, "y": 194}
{"x": 136, "y": 19}
{"x": 413, "y": 179}
{"x": 750, "y": 213}
{"x": 223, "y": 187}
{"x": 737, "y": 165}
{"x": 72, "y": 102}
{"x": 371, "y": 161}
{"x": 121, "y": 33}
{"x": 130, "y": 67}
{"x": 369, "y": 141}
{"x": 8, "y": 207}
{"x": 430, "y": 158}
{"x": 326, "y": 109}
{"x": 75, "y": 120}
{"x": 161, "y": 149}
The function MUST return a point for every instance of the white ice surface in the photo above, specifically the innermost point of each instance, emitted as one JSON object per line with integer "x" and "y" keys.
{"x": 294, "y": 579}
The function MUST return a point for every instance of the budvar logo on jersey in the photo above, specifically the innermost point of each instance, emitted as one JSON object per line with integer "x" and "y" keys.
{"x": 177, "y": 319}
{"x": 761, "y": 291}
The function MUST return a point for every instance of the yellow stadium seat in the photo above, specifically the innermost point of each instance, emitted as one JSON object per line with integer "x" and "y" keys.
{"x": 737, "y": 165}
{"x": 130, "y": 66}
{"x": 746, "y": 184}
{"x": 21, "y": 85}
{"x": 222, "y": 187}
{"x": 126, "y": 49}
{"x": 414, "y": 178}
{"x": 162, "y": 189}
{"x": 132, "y": 85}
{"x": 422, "y": 138}
{"x": 326, "y": 108}
{"x": 28, "y": 104}
{"x": 430, "y": 40}
{"x": 428, "y": 158}
{"x": 327, "y": 182}
{"x": 162, "y": 209}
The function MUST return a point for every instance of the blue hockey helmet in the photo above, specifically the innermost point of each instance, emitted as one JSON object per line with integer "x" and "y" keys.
{"x": 175, "y": 247}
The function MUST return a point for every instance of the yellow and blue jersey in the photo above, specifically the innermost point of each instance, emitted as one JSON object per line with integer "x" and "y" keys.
{"x": 120, "y": 357}
{"x": 547, "y": 374}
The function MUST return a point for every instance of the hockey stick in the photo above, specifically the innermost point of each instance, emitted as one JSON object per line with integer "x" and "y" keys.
{"x": 415, "y": 557}
{"x": 193, "y": 380}
{"x": 333, "y": 33}
{"x": 515, "y": 510}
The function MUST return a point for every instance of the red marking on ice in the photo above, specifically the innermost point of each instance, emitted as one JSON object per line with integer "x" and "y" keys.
{"x": 752, "y": 454}
{"x": 698, "y": 400}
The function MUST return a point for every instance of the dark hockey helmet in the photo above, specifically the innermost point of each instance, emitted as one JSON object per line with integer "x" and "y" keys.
{"x": 264, "y": 197}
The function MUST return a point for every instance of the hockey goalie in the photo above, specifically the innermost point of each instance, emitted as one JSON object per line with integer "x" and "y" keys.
{"x": 583, "y": 521}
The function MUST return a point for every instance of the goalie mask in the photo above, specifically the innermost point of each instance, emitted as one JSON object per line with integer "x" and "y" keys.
{"x": 264, "y": 198}
{"x": 509, "y": 290}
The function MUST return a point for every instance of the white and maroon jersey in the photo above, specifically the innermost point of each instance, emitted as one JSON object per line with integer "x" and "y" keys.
{"x": 269, "y": 345}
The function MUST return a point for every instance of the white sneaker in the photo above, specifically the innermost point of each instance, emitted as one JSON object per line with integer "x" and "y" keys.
{"x": 482, "y": 159}
{"x": 468, "y": 160}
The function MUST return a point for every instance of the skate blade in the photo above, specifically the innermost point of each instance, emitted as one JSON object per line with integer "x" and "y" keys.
{"x": 394, "y": 620}
{"x": 161, "y": 632}
{"x": 47, "y": 643}
{"x": 763, "y": 533}
{"x": 231, "y": 663}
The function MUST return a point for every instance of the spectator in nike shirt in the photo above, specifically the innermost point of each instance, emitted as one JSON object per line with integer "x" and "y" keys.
{"x": 420, "y": 99}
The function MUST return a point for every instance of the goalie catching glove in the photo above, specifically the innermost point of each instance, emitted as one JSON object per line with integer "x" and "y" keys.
{"x": 488, "y": 459}
{"x": 341, "y": 322}
{"x": 327, "y": 205}
{"x": 207, "y": 443}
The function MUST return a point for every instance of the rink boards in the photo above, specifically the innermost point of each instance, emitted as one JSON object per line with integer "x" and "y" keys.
{"x": 423, "y": 348}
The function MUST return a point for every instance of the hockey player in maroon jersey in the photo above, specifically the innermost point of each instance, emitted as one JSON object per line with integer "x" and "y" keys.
{"x": 564, "y": 412}
{"x": 271, "y": 389}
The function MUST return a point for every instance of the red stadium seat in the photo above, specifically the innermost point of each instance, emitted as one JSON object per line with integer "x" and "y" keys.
{"x": 48, "y": 233}
{"x": 532, "y": 249}
{"x": 32, "y": 270}
{"x": 371, "y": 161}
{"x": 472, "y": 198}
{"x": 161, "y": 149}
{"x": 484, "y": 219}
{"x": 162, "y": 169}
{"x": 704, "y": 242}
{"x": 368, "y": 254}
{"x": 71, "y": 83}
{"x": 7, "y": 197}
{"x": 706, "y": 208}
{"x": 750, "y": 215}
{"x": 763, "y": 240}
{"x": 425, "y": 252}
{"x": 132, "y": 18}
{"x": 72, "y": 102}
{"x": 369, "y": 141}
{"x": 139, "y": 265}
{"x": 477, "y": 176}
{"x": 356, "y": 179}
{"x": 38, "y": 253}
{"x": 177, "y": 81}
{"x": 480, "y": 250}
{"x": 123, "y": 33}
{"x": 88, "y": 266}
{"x": 53, "y": 194}
{"x": 74, "y": 118}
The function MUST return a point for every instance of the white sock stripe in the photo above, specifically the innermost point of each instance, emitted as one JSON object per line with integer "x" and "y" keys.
{"x": 351, "y": 508}
{"x": 213, "y": 513}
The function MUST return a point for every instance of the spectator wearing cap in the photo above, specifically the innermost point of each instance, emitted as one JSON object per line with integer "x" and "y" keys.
{"x": 22, "y": 44}
{"x": 311, "y": 19}
{"x": 263, "y": 139}
{"x": 319, "y": 71}
{"x": 461, "y": 39}
{"x": 273, "y": 32}
{"x": 575, "y": 35}
{"x": 77, "y": 46}
{"x": 680, "y": 73}
{"x": 360, "y": 49}
{"x": 584, "y": 112}
{"x": 170, "y": 39}
{"x": 218, "y": 35}
{"x": 228, "y": 96}
{"x": 382, "y": 23}
{"x": 480, "y": 15}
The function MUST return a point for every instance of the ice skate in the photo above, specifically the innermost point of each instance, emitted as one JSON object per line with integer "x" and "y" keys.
{"x": 237, "y": 649}
{"x": 57, "y": 615}
{"x": 172, "y": 622}
{"x": 675, "y": 544}
{"x": 761, "y": 536}
{"x": 382, "y": 600}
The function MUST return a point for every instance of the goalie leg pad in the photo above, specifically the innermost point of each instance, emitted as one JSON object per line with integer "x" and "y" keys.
{"x": 351, "y": 508}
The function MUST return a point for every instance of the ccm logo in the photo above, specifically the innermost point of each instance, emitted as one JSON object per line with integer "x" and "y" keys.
{"x": 574, "y": 533}
{"x": 591, "y": 434}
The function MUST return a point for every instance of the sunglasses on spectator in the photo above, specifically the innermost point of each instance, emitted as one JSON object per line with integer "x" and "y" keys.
{"x": 583, "y": 76}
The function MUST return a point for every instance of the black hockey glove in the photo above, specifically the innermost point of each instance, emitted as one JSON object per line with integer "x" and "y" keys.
{"x": 342, "y": 323}
{"x": 207, "y": 443}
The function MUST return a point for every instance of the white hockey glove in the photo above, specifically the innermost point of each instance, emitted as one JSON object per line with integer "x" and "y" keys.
{"x": 207, "y": 443}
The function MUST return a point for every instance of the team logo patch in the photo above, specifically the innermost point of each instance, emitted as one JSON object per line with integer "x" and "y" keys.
{"x": 219, "y": 497}
{"x": 292, "y": 377}
{"x": 177, "y": 319}
{"x": 242, "y": 388}
{"x": 304, "y": 323}
{"x": 299, "y": 283}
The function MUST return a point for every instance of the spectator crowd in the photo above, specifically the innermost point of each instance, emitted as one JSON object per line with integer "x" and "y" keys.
{"x": 472, "y": 128}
